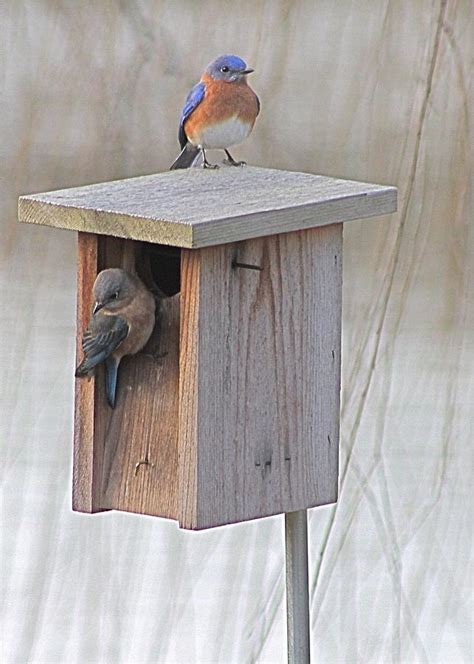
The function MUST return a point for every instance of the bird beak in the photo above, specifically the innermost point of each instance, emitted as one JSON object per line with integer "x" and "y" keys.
{"x": 97, "y": 307}
{"x": 247, "y": 71}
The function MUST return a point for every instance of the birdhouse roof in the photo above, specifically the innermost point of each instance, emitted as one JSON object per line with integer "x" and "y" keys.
{"x": 196, "y": 208}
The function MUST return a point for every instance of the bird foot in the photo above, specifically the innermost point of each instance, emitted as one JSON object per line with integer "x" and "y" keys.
{"x": 206, "y": 164}
{"x": 157, "y": 357}
{"x": 232, "y": 162}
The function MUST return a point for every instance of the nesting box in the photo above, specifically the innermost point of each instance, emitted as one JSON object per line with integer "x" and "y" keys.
{"x": 232, "y": 411}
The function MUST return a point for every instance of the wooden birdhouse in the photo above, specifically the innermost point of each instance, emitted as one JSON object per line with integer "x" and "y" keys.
{"x": 232, "y": 410}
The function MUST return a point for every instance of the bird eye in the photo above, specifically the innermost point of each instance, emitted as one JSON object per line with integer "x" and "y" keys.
{"x": 224, "y": 69}
{"x": 115, "y": 296}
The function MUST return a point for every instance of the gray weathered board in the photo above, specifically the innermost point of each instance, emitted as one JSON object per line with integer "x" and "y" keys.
{"x": 198, "y": 208}
{"x": 260, "y": 377}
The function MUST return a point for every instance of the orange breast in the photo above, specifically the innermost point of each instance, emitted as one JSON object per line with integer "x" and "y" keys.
{"x": 221, "y": 102}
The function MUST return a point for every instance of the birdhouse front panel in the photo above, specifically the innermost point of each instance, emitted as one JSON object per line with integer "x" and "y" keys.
{"x": 126, "y": 458}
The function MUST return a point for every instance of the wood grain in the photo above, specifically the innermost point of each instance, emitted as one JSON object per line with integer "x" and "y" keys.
{"x": 197, "y": 208}
{"x": 87, "y": 456}
{"x": 143, "y": 427}
{"x": 189, "y": 385}
{"x": 260, "y": 376}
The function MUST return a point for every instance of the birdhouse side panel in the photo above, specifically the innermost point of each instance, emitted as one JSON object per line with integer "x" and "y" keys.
{"x": 266, "y": 366}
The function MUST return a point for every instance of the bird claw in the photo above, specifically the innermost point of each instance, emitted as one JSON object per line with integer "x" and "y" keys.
{"x": 206, "y": 164}
{"x": 155, "y": 356}
{"x": 232, "y": 162}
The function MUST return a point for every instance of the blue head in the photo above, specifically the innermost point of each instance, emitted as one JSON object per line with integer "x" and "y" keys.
{"x": 228, "y": 68}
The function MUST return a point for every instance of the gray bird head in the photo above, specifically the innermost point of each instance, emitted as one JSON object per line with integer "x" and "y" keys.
{"x": 228, "y": 68}
{"x": 113, "y": 288}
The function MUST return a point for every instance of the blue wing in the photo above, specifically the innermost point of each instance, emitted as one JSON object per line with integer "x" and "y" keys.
{"x": 102, "y": 336}
{"x": 193, "y": 100}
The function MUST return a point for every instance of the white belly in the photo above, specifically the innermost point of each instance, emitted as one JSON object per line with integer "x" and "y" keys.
{"x": 223, "y": 135}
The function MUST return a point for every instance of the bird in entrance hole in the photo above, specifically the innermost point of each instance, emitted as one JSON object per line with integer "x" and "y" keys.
{"x": 219, "y": 112}
{"x": 122, "y": 322}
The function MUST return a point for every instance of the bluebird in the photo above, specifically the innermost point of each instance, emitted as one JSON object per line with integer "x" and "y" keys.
{"x": 122, "y": 322}
{"x": 220, "y": 111}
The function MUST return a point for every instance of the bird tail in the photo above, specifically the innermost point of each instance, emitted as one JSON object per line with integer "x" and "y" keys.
{"x": 189, "y": 156}
{"x": 111, "y": 373}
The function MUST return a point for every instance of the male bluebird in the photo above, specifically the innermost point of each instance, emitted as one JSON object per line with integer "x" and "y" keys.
{"x": 219, "y": 112}
{"x": 122, "y": 322}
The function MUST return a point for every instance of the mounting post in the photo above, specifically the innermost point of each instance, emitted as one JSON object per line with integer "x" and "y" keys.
{"x": 297, "y": 587}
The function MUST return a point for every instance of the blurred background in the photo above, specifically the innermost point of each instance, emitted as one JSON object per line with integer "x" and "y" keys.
{"x": 368, "y": 90}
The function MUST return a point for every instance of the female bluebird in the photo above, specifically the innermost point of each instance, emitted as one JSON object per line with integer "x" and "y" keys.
{"x": 220, "y": 111}
{"x": 122, "y": 322}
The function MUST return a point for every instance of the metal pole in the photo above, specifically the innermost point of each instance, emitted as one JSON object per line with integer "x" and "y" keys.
{"x": 297, "y": 587}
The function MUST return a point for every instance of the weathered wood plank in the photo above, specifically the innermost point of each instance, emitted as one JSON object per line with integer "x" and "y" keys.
{"x": 260, "y": 366}
{"x": 198, "y": 208}
{"x": 86, "y": 465}
{"x": 188, "y": 385}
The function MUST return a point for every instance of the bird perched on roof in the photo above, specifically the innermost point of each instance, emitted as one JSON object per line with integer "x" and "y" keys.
{"x": 220, "y": 111}
{"x": 122, "y": 322}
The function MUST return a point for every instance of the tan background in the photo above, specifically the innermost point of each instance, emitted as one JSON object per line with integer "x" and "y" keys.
{"x": 378, "y": 91}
